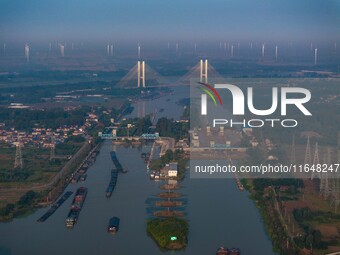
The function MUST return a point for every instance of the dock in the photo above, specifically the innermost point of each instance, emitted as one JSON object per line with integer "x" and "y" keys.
{"x": 151, "y": 155}
{"x": 169, "y": 203}
{"x": 168, "y": 214}
{"x": 169, "y": 195}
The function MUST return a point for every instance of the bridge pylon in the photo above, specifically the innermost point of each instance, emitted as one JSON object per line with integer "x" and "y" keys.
{"x": 204, "y": 70}
{"x": 141, "y": 74}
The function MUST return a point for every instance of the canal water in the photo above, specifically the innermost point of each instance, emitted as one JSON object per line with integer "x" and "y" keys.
{"x": 218, "y": 214}
{"x": 166, "y": 106}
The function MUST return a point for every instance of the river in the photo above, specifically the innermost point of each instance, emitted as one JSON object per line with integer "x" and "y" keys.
{"x": 166, "y": 106}
{"x": 218, "y": 214}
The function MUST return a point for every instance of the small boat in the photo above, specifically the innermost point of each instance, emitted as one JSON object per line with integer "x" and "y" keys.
{"x": 234, "y": 251}
{"x": 113, "y": 225}
{"x": 222, "y": 251}
{"x": 83, "y": 177}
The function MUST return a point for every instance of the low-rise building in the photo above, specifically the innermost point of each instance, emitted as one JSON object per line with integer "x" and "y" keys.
{"x": 173, "y": 169}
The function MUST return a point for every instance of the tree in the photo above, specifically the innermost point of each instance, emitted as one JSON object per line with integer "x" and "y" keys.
{"x": 256, "y": 156}
{"x": 7, "y": 209}
{"x": 28, "y": 198}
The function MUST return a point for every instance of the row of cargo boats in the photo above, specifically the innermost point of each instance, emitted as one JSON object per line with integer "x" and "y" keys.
{"x": 80, "y": 196}
{"x": 77, "y": 205}
{"x": 113, "y": 226}
{"x": 80, "y": 174}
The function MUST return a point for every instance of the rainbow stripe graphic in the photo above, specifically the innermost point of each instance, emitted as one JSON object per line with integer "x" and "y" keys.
{"x": 211, "y": 91}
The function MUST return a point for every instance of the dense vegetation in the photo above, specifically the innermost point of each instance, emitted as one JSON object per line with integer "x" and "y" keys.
{"x": 168, "y": 157}
{"x": 36, "y": 163}
{"x": 26, "y": 119}
{"x": 134, "y": 126}
{"x": 25, "y": 203}
{"x": 170, "y": 128}
{"x": 259, "y": 185}
{"x": 162, "y": 230}
{"x": 264, "y": 195}
{"x": 312, "y": 237}
{"x": 14, "y": 175}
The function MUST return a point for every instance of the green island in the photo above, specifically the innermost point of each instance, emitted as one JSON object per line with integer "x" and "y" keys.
{"x": 170, "y": 233}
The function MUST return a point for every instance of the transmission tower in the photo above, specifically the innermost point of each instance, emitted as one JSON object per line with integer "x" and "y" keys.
{"x": 293, "y": 155}
{"x": 335, "y": 193}
{"x": 316, "y": 161}
{"x": 338, "y": 147}
{"x": 52, "y": 152}
{"x": 18, "y": 163}
{"x": 335, "y": 187}
{"x": 308, "y": 157}
{"x": 323, "y": 179}
{"x": 325, "y": 184}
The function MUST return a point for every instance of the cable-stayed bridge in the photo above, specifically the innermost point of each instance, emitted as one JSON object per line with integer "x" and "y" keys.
{"x": 143, "y": 75}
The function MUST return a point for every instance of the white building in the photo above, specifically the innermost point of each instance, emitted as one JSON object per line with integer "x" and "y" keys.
{"x": 173, "y": 170}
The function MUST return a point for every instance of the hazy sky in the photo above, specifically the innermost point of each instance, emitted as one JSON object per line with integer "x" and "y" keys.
{"x": 169, "y": 19}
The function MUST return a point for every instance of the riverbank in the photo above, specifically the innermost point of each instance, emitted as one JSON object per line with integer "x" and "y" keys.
{"x": 262, "y": 192}
{"x": 42, "y": 195}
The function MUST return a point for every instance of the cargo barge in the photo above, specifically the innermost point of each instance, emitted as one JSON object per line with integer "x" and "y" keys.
{"x": 116, "y": 162}
{"x": 234, "y": 251}
{"x": 225, "y": 251}
{"x": 55, "y": 206}
{"x": 77, "y": 204}
{"x": 113, "y": 225}
{"x": 113, "y": 182}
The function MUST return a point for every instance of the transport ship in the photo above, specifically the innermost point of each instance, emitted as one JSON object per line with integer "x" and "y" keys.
{"x": 113, "y": 182}
{"x": 234, "y": 251}
{"x": 116, "y": 162}
{"x": 77, "y": 205}
{"x": 225, "y": 251}
{"x": 113, "y": 225}
{"x": 222, "y": 251}
{"x": 55, "y": 206}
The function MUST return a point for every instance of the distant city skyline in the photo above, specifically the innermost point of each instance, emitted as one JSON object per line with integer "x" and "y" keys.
{"x": 147, "y": 20}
